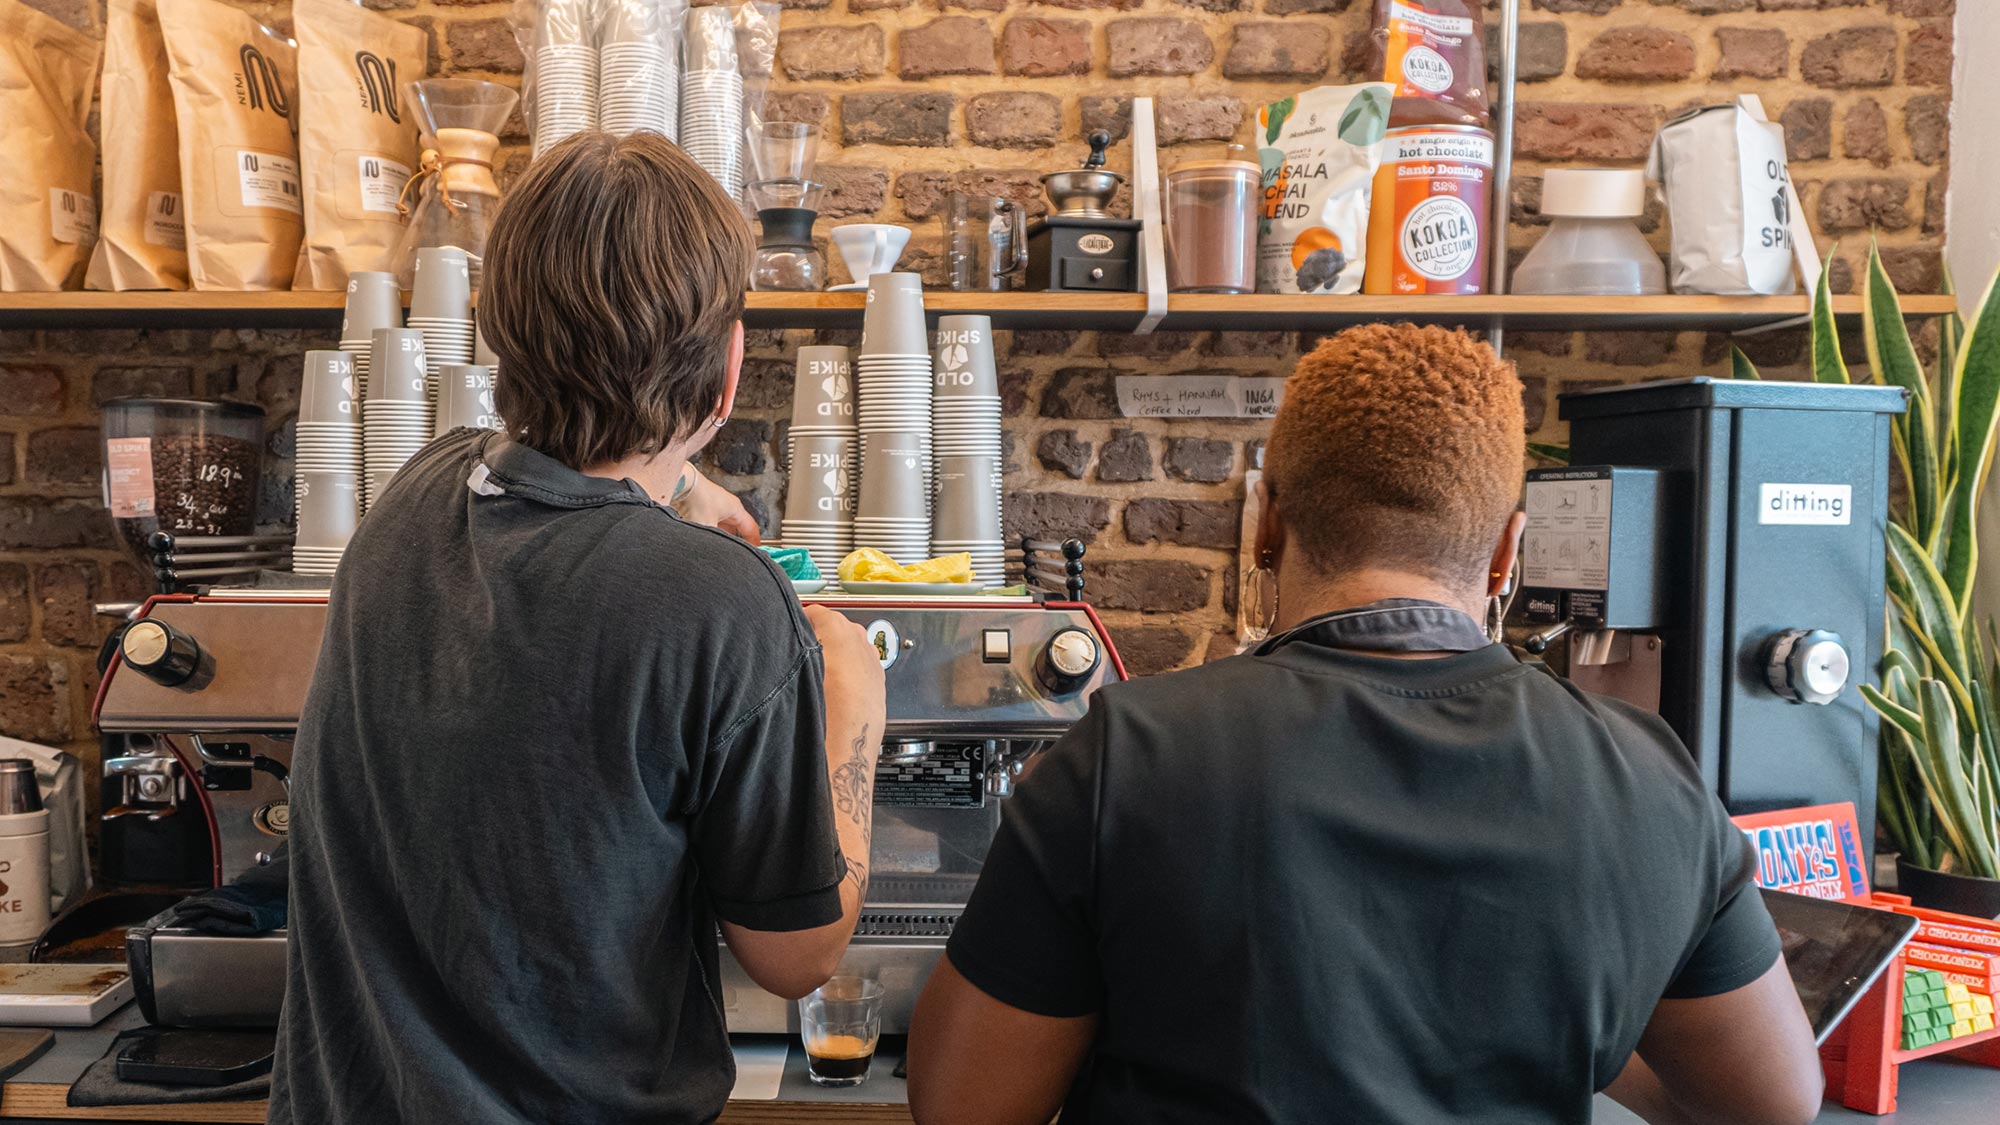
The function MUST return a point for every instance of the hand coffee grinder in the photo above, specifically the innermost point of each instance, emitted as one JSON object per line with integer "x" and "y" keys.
{"x": 1081, "y": 247}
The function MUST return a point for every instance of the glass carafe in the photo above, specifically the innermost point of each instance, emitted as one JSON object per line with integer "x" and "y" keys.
{"x": 453, "y": 196}
{"x": 985, "y": 241}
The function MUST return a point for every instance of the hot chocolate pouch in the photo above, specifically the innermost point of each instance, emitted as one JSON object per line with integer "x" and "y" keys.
{"x": 357, "y": 136}
{"x": 48, "y": 217}
{"x": 1433, "y": 53}
{"x": 1319, "y": 151}
{"x": 235, "y": 82}
{"x": 1730, "y": 204}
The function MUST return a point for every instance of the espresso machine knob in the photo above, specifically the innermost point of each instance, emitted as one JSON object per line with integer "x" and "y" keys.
{"x": 1806, "y": 665}
{"x": 1071, "y": 657}
{"x": 160, "y": 652}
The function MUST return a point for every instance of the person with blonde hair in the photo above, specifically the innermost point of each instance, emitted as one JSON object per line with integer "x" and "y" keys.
{"x": 1375, "y": 869}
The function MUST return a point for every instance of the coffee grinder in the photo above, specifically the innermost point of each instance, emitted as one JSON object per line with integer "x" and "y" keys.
{"x": 1080, "y": 246}
{"x": 1715, "y": 553}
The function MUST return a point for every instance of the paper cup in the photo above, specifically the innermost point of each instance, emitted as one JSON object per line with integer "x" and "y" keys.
{"x": 442, "y": 287}
{"x": 328, "y": 392}
{"x": 396, "y": 365}
{"x": 373, "y": 301}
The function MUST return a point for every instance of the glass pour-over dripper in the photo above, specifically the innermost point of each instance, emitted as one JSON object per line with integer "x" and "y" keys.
{"x": 452, "y": 197}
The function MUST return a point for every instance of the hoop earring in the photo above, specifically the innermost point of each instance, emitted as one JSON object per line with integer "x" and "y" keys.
{"x": 722, "y": 421}
{"x": 1259, "y": 599}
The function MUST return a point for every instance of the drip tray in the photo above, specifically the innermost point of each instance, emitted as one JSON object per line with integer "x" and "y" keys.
{"x": 905, "y": 924}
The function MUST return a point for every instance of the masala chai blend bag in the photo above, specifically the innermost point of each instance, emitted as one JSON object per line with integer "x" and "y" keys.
{"x": 143, "y": 242}
{"x": 1319, "y": 150}
{"x": 234, "y": 81}
{"x": 357, "y": 138}
{"x": 48, "y": 219}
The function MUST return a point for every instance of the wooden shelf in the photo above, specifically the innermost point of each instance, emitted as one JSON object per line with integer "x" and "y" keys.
{"x": 1107, "y": 312}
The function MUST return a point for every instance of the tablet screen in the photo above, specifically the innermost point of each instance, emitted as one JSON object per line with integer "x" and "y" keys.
{"x": 1834, "y": 951}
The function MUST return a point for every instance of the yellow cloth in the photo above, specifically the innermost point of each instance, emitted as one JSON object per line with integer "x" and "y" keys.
{"x": 871, "y": 565}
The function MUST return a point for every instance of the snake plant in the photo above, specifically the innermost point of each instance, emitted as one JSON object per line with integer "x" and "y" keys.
{"x": 1939, "y": 783}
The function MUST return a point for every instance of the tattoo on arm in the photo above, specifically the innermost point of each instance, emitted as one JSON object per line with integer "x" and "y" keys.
{"x": 853, "y": 792}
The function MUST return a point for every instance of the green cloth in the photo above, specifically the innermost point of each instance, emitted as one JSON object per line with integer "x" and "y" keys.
{"x": 796, "y": 562}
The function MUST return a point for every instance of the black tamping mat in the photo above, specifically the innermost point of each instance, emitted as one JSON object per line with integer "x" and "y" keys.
{"x": 101, "y": 1085}
{"x": 20, "y": 1046}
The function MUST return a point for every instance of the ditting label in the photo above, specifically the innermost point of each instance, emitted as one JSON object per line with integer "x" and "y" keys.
{"x": 164, "y": 225}
{"x": 72, "y": 216}
{"x": 269, "y": 180}
{"x": 1824, "y": 505}
{"x": 382, "y": 183}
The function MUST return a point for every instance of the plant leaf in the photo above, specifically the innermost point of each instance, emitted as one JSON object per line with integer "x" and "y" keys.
{"x": 1828, "y": 366}
{"x": 1975, "y": 416}
{"x": 1934, "y": 622}
{"x": 1955, "y": 794}
{"x": 1740, "y": 366}
{"x": 1895, "y": 363}
{"x": 1559, "y": 454}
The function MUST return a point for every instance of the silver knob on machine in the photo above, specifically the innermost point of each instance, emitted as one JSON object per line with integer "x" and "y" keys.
{"x": 1806, "y": 665}
{"x": 1071, "y": 657}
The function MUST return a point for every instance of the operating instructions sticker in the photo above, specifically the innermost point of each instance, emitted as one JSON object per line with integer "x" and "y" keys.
{"x": 1568, "y": 541}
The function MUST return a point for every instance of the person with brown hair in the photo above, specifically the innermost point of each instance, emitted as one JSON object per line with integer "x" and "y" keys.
{"x": 1375, "y": 869}
{"x": 558, "y": 734}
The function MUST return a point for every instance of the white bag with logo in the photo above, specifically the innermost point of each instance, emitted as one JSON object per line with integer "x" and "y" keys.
{"x": 1737, "y": 224}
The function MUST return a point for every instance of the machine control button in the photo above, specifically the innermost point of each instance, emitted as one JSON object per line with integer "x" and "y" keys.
{"x": 888, "y": 643}
{"x": 1071, "y": 657}
{"x": 996, "y": 646}
{"x": 1807, "y": 665}
{"x": 160, "y": 652}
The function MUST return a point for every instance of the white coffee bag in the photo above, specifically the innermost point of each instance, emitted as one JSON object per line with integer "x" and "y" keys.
{"x": 1729, "y": 202}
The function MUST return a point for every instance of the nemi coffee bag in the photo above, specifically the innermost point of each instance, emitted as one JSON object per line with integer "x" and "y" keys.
{"x": 357, "y": 137}
{"x": 234, "y": 80}
{"x": 48, "y": 219}
{"x": 143, "y": 243}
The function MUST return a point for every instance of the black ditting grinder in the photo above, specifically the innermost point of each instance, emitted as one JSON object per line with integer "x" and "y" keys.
{"x": 1715, "y": 553}
{"x": 1080, "y": 247}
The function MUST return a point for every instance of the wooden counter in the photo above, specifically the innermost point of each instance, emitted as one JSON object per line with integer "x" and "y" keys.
{"x": 41, "y": 1090}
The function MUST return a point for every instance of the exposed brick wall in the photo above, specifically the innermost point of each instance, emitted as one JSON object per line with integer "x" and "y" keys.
{"x": 920, "y": 98}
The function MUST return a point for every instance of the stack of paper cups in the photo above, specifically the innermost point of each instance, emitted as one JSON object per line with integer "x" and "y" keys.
{"x": 638, "y": 75}
{"x": 893, "y": 385}
{"x": 892, "y": 515}
{"x": 965, "y": 429}
{"x": 465, "y": 398}
{"x": 565, "y": 73}
{"x": 326, "y": 471}
{"x": 396, "y": 418}
{"x": 441, "y": 308}
{"x": 712, "y": 97}
{"x": 373, "y": 301}
{"x": 821, "y": 450}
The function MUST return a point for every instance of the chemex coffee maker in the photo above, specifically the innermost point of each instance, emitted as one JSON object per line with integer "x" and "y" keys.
{"x": 1081, "y": 246}
{"x": 976, "y": 688}
{"x": 207, "y": 688}
{"x": 1715, "y": 553}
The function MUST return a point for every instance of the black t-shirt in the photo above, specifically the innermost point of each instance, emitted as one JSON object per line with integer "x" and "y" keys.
{"x": 1317, "y": 884}
{"x": 554, "y": 732}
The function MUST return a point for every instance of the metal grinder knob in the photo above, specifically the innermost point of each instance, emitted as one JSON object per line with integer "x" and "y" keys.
{"x": 1072, "y": 655}
{"x": 160, "y": 652}
{"x": 1806, "y": 665}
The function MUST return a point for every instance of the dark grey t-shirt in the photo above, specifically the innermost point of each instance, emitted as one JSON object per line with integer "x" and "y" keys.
{"x": 1314, "y": 883}
{"x": 554, "y": 733}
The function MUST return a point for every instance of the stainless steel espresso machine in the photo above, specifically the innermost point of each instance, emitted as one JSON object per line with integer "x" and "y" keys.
{"x": 209, "y": 686}
{"x": 1715, "y": 553}
{"x": 976, "y": 688}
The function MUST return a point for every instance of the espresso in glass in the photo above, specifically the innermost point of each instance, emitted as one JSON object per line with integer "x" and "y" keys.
{"x": 840, "y": 1024}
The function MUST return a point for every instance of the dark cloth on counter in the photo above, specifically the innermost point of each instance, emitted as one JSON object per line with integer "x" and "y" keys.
{"x": 554, "y": 733}
{"x": 1310, "y": 881}
{"x": 99, "y": 1084}
{"x": 251, "y": 904}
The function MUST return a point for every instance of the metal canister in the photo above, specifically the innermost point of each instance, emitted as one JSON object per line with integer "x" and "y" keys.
{"x": 24, "y": 854}
{"x": 1427, "y": 218}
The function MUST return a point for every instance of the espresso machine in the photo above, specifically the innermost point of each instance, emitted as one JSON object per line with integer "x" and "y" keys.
{"x": 976, "y": 688}
{"x": 1715, "y": 553}
{"x": 204, "y": 691}
{"x": 207, "y": 688}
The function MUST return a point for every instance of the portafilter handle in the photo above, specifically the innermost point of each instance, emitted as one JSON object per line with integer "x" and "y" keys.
{"x": 1539, "y": 643}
